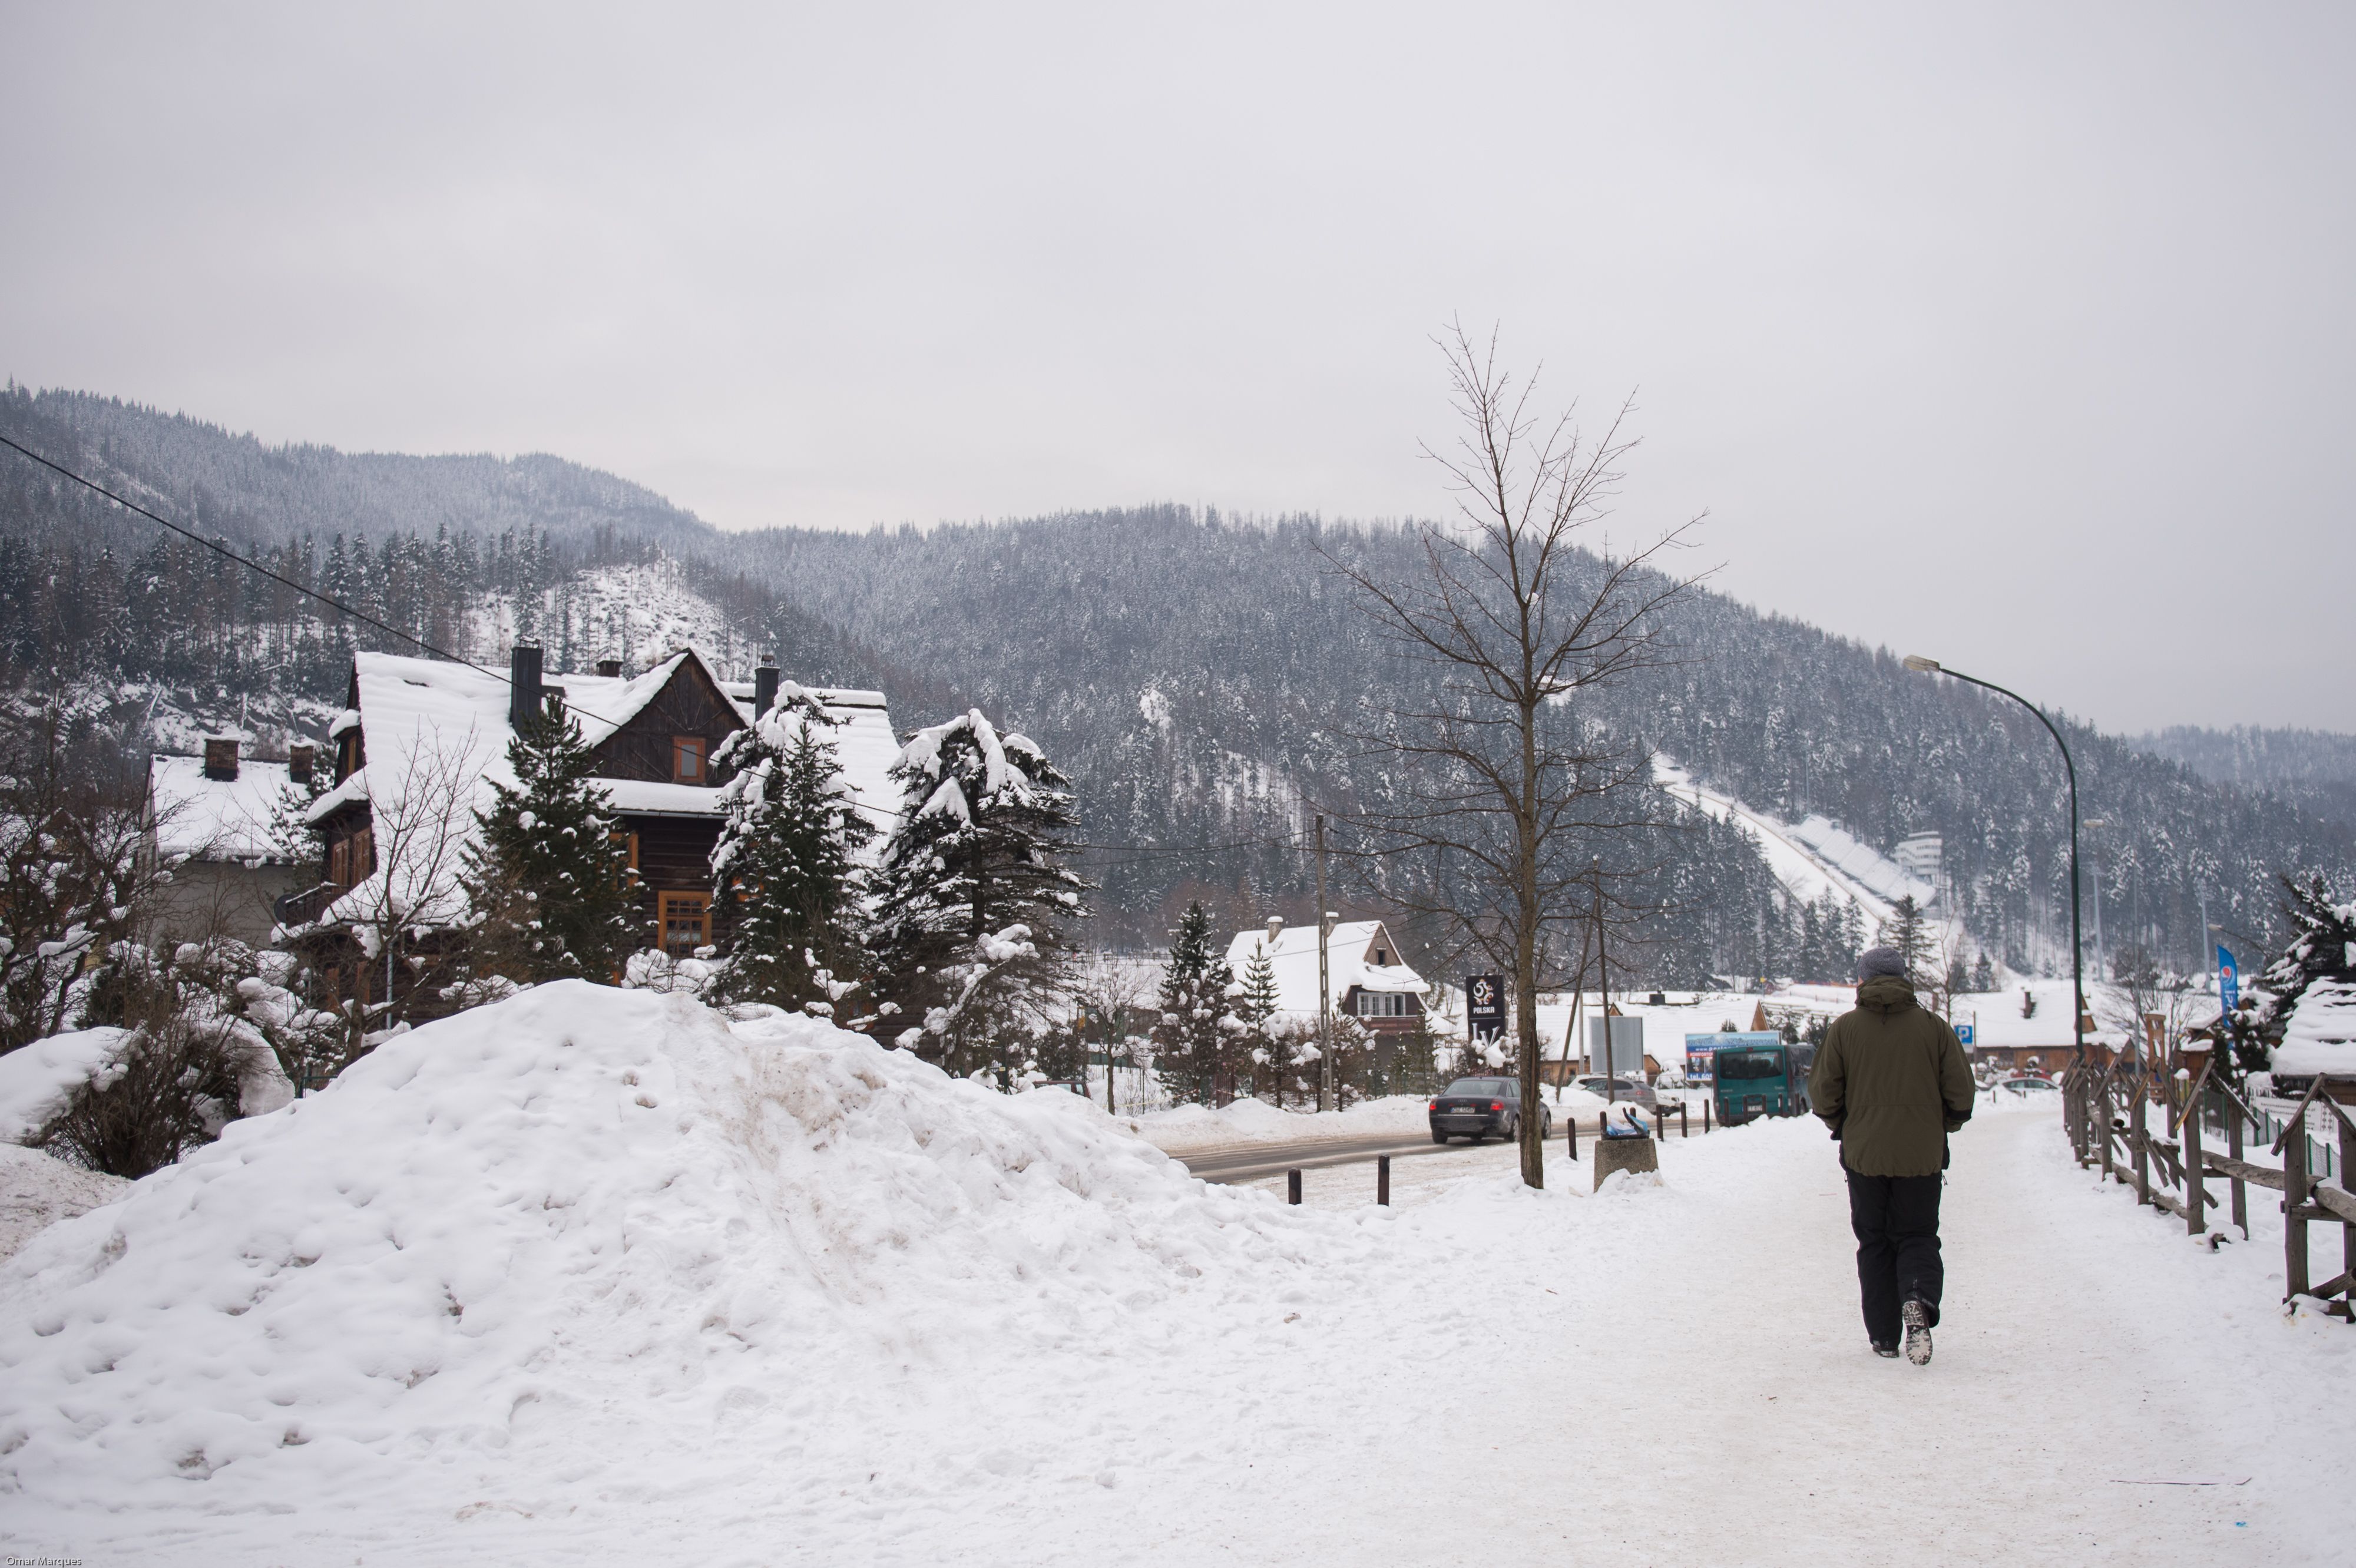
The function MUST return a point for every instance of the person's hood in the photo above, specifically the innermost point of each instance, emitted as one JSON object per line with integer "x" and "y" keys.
{"x": 1886, "y": 993}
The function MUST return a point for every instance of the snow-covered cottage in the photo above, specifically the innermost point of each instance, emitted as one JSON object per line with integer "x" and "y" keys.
{"x": 2319, "y": 1037}
{"x": 420, "y": 739}
{"x": 1365, "y": 977}
{"x": 213, "y": 822}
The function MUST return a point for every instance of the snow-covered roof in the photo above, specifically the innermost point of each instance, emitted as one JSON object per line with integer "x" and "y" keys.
{"x": 214, "y": 818}
{"x": 443, "y": 726}
{"x": 2320, "y": 1033}
{"x": 864, "y": 742}
{"x": 1349, "y": 961}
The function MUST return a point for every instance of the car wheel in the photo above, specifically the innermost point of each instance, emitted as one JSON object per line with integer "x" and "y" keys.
{"x": 1439, "y": 1137}
{"x": 1512, "y": 1129}
{"x": 1546, "y": 1124}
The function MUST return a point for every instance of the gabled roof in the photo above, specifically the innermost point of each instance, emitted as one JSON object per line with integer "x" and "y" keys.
{"x": 1348, "y": 962}
{"x": 215, "y": 819}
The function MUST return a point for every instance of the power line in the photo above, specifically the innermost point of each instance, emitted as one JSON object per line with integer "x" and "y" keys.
{"x": 222, "y": 550}
{"x": 1135, "y": 851}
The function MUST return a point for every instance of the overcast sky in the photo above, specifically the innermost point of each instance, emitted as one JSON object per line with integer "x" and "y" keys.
{"x": 2016, "y": 336}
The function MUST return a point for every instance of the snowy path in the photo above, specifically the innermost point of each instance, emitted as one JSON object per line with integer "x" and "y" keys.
{"x": 1486, "y": 1375}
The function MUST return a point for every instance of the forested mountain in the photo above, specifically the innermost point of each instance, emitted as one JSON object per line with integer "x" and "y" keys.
{"x": 1200, "y": 678}
{"x": 2313, "y": 768}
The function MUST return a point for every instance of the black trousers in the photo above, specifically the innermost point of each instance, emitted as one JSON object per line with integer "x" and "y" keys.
{"x": 1897, "y": 1223}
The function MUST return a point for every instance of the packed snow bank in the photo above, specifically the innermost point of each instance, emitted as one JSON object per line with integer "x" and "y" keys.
{"x": 595, "y": 1223}
{"x": 37, "y": 1080}
{"x": 36, "y": 1191}
{"x": 1257, "y": 1121}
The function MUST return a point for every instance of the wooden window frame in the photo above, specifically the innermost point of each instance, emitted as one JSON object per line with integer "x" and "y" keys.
{"x": 663, "y": 903}
{"x": 680, "y": 751}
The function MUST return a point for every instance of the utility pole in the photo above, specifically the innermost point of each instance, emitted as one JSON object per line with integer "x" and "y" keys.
{"x": 1324, "y": 983}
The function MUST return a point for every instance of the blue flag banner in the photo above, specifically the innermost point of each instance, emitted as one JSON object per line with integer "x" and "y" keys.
{"x": 2229, "y": 978}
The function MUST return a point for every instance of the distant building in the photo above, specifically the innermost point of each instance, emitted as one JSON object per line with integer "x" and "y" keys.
{"x": 1367, "y": 979}
{"x": 212, "y": 823}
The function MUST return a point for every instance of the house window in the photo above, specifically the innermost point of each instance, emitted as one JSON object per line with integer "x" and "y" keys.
{"x": 363, "y": 852}
{"x": 687, "y": 758}
{"x": 339, "y": 863}
{"x": 685, "y": 922}
{"x": 1382, "y": 959}
{"x": 1383, "y": 1004}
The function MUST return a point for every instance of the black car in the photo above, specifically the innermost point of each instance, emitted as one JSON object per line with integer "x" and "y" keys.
{"x": 1480, "y": 1107}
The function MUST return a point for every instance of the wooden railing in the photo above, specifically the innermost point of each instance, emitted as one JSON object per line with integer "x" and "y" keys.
{"x": 2107, "y": 1111}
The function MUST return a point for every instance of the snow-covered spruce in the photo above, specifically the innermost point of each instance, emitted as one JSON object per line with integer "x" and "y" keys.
{"x": 974, "y": 896}
{"x": 548, "y": 877}
{"x": 578, "y": 1224}
{"x": 786, "y": 875}
{"x": 1199, "y": 1030}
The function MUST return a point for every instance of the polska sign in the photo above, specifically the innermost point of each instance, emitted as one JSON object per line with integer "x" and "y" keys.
{"x": 1484, "y": 1005}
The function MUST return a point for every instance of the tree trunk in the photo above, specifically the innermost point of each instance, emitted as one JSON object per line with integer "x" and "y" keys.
{"x": 1525, "y": 956}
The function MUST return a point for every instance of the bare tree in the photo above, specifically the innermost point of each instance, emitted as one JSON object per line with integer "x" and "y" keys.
{"x": 1508, "y": 792}
{"x": 407, "y": 914}
{"x": 76, "y": 879}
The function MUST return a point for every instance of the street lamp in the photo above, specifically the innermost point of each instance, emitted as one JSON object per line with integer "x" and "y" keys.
{"x": 1923, "y": 666}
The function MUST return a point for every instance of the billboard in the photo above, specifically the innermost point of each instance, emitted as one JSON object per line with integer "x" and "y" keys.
{"x": 1626, "y": 1054}
{"x": 1702, "y": 1050}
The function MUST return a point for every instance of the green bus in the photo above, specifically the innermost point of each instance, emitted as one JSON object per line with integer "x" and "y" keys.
{"x": 1755, "y": 1080}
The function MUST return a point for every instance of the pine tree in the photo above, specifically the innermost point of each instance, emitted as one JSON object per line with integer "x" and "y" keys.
{"x": 548, "y": 878}
{"x": 2322, "y": 944}
{"x": 1197, "y": 1025}
{"x": 786, "y": 874}
{"x": 974, "y": 895}
{"x": 1256, "y": 1007}
{"x": 1906, "y": 931}
{"x": 1983, "y": 975}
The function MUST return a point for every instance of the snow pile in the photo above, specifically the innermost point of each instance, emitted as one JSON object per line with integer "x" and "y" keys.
{"x": 565, "y": 1233}
{"x": 37, "y": 1080}
{"x": 36, "y": 1191}
{"x": 1257, "y": 1121}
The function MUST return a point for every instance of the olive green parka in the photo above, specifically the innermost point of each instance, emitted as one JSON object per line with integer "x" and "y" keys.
{"x": 1892, "y": 1083}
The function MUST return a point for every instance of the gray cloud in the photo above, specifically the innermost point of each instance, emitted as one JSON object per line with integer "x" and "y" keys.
{"x": 2019, "y": 334}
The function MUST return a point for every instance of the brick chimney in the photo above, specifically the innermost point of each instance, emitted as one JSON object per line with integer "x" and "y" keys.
{"x": 523, "y": 686}
{"x": 298, "y": 763}
{"x": 609, "y": 667}
{"x": 764, "y": 686}
{"x": 220, "y": 757}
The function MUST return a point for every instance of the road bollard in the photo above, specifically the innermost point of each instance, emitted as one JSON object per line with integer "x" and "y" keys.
{"x": 1382, "y": 1180}
{"x": 1683, "y": 1130}
{"x": 1570, "y": 1129}
{"x": 1292, "y": 1186}
{"x": 1704, "y": 1115}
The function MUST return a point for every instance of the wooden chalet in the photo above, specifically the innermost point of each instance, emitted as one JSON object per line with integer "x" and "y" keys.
{"x": 419, "y": 739}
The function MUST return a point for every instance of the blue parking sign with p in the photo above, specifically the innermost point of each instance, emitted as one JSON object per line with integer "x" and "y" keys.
{"x": 1964, "y": 1034}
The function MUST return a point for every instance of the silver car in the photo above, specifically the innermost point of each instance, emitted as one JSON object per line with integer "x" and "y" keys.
{"x": 1631, "y": 1089}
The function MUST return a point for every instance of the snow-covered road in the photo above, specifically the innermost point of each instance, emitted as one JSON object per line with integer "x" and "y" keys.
{"x": 1479, "y": 1374}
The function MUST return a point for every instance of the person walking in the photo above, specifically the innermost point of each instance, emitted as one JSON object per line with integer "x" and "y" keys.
{"x": 1891, "y": 1083}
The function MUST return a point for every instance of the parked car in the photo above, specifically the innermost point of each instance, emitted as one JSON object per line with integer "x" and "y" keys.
{"x": 2028, "y": 1086}
{"x": 1632, "y": 1089}
{"x": 1481, "y": 1108}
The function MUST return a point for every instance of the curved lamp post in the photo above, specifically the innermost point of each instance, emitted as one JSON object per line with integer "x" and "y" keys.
{"x": 1921, "y": 665}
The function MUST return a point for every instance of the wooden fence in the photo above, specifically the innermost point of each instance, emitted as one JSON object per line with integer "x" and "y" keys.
{"x": 2108, "y": 1110}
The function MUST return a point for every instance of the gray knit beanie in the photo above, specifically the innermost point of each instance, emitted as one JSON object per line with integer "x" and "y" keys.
{"x": 1874, "y": 962}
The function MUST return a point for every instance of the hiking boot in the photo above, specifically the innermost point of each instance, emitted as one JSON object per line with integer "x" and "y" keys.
{"x": 1916, "y": 1315}
{"x": 1879, "y": 1349}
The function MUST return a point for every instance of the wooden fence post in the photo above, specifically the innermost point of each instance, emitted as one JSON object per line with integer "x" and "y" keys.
{"x": 2102, "y": 1126}
{"x": 2347, "y": 1231}
{"x": 2137, "y": 1139}
{"x": 1382, "y": 1180}
{"x": 2294, "y": 1201}
{"x": 1292, "y": 1186}
{"x": 2195, "y": 1195}
{"x": 2241, "y": 1191}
